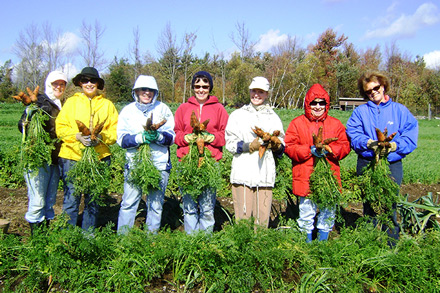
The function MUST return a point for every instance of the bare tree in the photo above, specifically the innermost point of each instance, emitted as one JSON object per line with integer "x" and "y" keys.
{"x": 169, "y": 51}
{"x": 91, "y": 36}
{"x": 135, "y": 52}
{"x": 54, "y": 48}
{"x": 29, "y": 49}
{"x": 189, "y": 42}
{"x": 243, "y": 41}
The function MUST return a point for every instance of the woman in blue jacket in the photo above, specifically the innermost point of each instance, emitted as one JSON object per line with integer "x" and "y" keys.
{"x": 381, "y": 112}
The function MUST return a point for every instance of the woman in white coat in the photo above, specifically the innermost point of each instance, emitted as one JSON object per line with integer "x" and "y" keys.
{"x": 253, "y": 177}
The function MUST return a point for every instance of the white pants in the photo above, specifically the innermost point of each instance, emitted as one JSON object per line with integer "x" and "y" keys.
{"x": 307, "y": 213}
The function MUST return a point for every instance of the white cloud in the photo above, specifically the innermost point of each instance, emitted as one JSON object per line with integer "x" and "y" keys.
{"x": 407, "y": 25}
{"x": 70, "y": 41}
{"x": 432, "y": 59}
{"x": 270, "y": 39}
{"x": 70, "y": 70}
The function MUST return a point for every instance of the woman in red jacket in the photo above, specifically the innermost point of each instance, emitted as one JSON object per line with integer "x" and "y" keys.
{"x": 200, "y": 215}
{"x": 300, "y": 148}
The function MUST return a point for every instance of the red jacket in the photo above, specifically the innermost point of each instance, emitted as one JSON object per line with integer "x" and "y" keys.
{"x": 299, "y": 140}
{"x": 212, "y": 110}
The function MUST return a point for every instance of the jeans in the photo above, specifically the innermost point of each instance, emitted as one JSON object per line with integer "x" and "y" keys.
{"x": 71, "y": 202}
{"x": 130, "y": 202}
{"x": 307, "y": 212}
{"x": 199, "y": 215}
{"x": 396, "y": 169}
{"x": 42, "y": 192}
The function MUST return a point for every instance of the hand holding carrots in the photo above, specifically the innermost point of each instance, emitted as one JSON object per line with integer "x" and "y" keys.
{"x": 321, "y": 146}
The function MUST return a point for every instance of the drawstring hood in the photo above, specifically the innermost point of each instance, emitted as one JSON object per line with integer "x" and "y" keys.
{"x": 316, "y": 92}
{"x": 145, "y": 81}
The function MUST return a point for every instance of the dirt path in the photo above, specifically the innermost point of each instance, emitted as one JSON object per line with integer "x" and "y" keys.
{"x": 13, "y": 206}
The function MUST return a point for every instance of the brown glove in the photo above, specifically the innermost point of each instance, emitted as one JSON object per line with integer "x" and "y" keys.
{"x": 275, "y": 143}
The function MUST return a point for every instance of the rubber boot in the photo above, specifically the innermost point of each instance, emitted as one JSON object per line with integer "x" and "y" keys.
{"x": 34, "y": 226}
{"x": 323, "y": 236}
{"x": 309, "y": 237}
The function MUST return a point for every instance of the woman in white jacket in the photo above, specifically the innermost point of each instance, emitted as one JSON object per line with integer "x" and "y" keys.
{"x": 131, "y": 135}
{"x": 253, "y": 178}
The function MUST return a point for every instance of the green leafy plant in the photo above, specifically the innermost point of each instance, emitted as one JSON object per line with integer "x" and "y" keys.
{"x": 36, "y": 143}
{"x": 324, "y": 187}
{"x": 144, "y": 174}
{"x": 197, "y": 172}
{"x": 90, "y": 175}
{"x": 416, "y": 215}
{"x": 378, "y": 188}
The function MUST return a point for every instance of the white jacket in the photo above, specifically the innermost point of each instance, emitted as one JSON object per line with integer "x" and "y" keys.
{"x": 247, "y": 168}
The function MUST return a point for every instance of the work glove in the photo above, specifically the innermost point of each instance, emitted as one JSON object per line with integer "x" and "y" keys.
{"x": 150, "y": 136}
{"x": 252, "y": 146}
{"x": 386, "y": 150}
{"x": 95, "y": 142}
{"x": 373, "y": 144}
{"x": 318, "y": 153}
{"x": 275, "y": 143}
{"x": 84, "y": 139}
{"x": 190, "y": 138}
{"x": 208, "y": 137}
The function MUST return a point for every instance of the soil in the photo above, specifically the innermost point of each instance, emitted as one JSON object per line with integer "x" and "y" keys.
{"x": 13, "y": 206}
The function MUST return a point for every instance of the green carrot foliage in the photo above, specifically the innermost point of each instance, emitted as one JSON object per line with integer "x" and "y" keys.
{"x": 36, "y": 144}
{"x": 144, "y": 174}
{"x": 378, "y": 187}
{"x": 193, "y": 179}
{"x": 90, "y": 175}
{"x": 324, "y": 187}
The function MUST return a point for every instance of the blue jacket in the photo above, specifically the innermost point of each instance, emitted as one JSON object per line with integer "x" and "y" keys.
{"x": 391, "y": 115}
{"x": 130, "y": 124}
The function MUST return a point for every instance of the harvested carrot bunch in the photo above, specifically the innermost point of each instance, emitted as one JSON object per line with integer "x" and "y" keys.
{"x": 324, "y": 187}
{"x": 270, "y": 141}
{"x": 198, "y": 170}
{"x": 36, "y": 143}
{"x": 143, "y": 173}
{"x": 29, "y": 98}
{"x": 90, "y": 175}
{"x": 376, "y": 184}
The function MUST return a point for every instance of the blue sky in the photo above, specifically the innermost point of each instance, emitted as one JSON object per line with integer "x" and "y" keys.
{"x": 413, "y": 25}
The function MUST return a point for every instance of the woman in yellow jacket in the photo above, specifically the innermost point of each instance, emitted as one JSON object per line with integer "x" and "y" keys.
{"x": 81, "y": 106}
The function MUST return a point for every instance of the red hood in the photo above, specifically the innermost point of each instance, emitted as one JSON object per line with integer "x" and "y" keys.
{"x": 316, "y": 92}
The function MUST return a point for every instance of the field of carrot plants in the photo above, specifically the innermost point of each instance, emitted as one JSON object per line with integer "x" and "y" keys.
{"x": 235, "y": 258}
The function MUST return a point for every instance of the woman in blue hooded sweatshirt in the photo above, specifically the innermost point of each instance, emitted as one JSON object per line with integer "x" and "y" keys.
{"x": 131, "y": 135}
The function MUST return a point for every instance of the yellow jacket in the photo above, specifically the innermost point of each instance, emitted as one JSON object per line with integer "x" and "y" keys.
{"x": 80, "y": 107}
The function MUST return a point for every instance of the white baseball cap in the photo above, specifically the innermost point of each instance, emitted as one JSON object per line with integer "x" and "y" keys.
{"x": 260, "y": 82}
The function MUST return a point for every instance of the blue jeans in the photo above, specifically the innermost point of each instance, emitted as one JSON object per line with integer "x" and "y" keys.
{"x": 42, "y": 193}
{"x": 200, "y": 215}
{"x": 130, "y": 202}
{"x": 307, "y": 212}
{"x": 71, "y": 202}
{"x": 396, "y": 169}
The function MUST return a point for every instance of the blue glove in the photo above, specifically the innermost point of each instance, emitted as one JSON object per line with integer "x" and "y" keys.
{"x": 316, "y": 153}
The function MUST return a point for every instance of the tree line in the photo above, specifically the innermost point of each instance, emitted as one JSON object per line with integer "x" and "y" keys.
{"x": 332, "y": 61}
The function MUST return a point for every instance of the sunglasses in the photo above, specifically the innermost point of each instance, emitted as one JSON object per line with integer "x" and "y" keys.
{"x": 146, "y": 89}
{"x": 315, "y": 103}
{"x": 376, "y": 89}
{"x": 87, "y": 80}
{"x": 205, "y": 87}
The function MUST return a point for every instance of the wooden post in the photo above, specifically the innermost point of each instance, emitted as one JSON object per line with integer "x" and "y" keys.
{"x": 429, "y": 111}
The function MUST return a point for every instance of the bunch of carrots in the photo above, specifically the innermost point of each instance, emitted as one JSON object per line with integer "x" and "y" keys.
{"x": 377, "y": 186}
{"x": 144, "y": 174}
{"x": 37, "y": 145}
{"x": 324, "y": 187}
{"x": 270, "y": 141}
{"x": 198, "y": 170}
{"x": 90, "y": 175}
